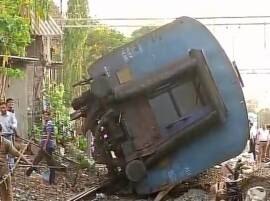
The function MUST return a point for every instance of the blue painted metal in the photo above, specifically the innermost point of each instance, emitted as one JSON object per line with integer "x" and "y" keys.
{"x": 155, "y": 50}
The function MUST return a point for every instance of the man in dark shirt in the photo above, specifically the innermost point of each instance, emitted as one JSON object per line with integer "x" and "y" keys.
{"x": 48, "y": 146}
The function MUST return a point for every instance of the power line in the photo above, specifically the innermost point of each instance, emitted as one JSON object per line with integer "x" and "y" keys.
{"x": 238, "y": 24}
{"x": 107, "y": 25}
{"x": 255, "y": 68}
{"x": 93, "y": 22}
{"x": 89, "y": 25}
{"x": 233, "y": 17}
{"x": 164, "y": 18}
{"x": 112, "y": 19}
{"x": 255, "y": 71}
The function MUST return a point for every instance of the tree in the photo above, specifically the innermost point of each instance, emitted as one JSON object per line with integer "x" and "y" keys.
{"x": 54, "y": 10}
{"x": 15, "y": 32}
{"x": 142, "y": 31}
{"x": 101, "y": 41}
{"x": 55, "y": 97}
{"x": 74, "y": 48}
{"x": 83, "y": 46}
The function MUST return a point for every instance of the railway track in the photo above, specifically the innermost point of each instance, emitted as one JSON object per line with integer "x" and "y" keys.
{"x": 90, "y": 194}
{"x": 86, "y": 195}
{"x": 109, "y": 186}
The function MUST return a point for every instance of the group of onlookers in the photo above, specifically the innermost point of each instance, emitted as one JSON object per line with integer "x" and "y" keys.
{"x": 9, "y": 150}
{"x": 259, "y": 143}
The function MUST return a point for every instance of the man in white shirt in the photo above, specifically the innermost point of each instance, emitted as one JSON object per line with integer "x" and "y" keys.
{"x": 252, "y": 140}
{"x": 10, "y": 108}
{"x": 9, "y": 124}
{"x": 267, "y": 151}
{"x": 263, "y": 139}
{"x": 16, "y": 137}
{"x": 7, "y": 121}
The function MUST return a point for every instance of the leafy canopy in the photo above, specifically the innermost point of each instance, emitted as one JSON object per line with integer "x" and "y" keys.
{"x": 15, "y": 33}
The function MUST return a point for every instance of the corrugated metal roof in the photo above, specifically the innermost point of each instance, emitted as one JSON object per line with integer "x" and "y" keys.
{"x": 46, "y": 27}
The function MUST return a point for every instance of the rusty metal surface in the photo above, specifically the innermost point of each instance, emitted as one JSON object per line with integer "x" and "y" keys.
{"x": 124, "y": 75}
{"x": 169, "y": 72}
{"x": 141, "y": 121}
{"x": 208, "y": 83}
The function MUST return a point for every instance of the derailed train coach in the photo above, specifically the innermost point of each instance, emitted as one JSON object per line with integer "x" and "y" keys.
{"x": 165, "y": 107}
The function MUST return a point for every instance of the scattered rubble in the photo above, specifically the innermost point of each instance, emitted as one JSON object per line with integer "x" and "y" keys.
{"x": 34, "y": 188}
{"x": 254, "y": 181}
{"x": 194, "y": 195}
{"x": 257, "y": 193}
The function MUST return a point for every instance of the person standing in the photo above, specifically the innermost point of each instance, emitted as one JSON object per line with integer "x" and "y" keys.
{"x": 16, "y": 137}
{"x": 9, "y": 124}
{"x": 252, "y": 140}
{"x": 5, "y": 181}
{"x": 263, "y": 138}
{"x": 8, "y": 121}
{"x": 47, "y": 147}
{"x": 10, "y": 108}
{"x": 267, "y": 151}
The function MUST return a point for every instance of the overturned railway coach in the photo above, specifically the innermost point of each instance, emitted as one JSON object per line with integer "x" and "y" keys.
{"x": 165, "y": 107}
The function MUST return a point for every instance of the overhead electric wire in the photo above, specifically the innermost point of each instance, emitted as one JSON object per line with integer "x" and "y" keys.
{"x": 255, "y": 71}
{"x": 92, "y": 22}
{"x": 237, "y": 24}
{"x": 255, "y": 68}
{"x": 164, "y": 18}
{"x": 141, "y": 25}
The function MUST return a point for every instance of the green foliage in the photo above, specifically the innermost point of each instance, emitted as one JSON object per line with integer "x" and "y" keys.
{"x": 84, "y": 164}
{"x": 40, "y": 7}
{"x": 101, "y": 41}
{"x": 80, "y": 53}
{"x": 55, "y": 97}
{"x": 15, "y": 33}
{"x": 37, "y": 131}
{"x": 81, "y": 143}
{"x": 12, "y": 72}
{"x": 15, "y": 24}
{"x": 81, "y": 158}
{"x": 74, "y": 47}
{"x": 84, "y": 161}
{"x": 83, "y": 46}
{"x": 142, "y": 31}
{"x": 77, "y": 9}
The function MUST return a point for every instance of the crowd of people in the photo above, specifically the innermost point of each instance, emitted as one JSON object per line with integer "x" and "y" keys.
{"x": 9, "y": 149}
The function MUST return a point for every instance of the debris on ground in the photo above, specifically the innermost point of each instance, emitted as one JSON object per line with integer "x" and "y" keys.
{"x": 34, "y": 188}
{"x": 256, "y": 193}
{"x": 194, "y": 195}
{"x": 253, "y": 179}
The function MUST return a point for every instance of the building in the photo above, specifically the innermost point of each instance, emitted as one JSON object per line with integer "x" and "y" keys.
{"x": 42, "y": 61}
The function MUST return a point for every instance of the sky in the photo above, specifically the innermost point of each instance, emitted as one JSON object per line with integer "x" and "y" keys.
{"x": 175, "y": 8}
{"x": 249, "y": 46}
